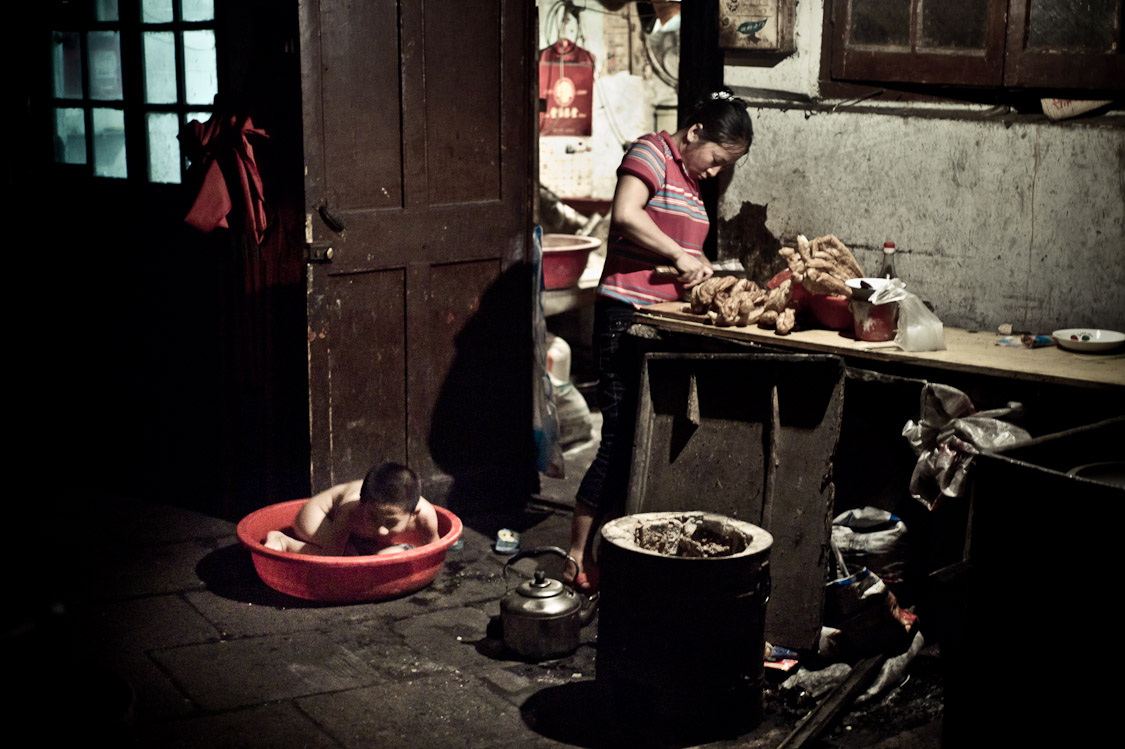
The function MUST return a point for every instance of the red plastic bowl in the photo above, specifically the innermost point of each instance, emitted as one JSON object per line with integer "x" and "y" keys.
{"x": 564, "y": 258}
{"x": 342, "y": 579}
{"x": 832, "y": 311}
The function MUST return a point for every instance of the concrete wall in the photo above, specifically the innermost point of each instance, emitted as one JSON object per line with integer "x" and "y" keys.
{"x": 998, "y": 217}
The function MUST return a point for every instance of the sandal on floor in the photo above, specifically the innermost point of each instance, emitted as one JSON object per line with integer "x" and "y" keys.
{"x": 586, "y": 582}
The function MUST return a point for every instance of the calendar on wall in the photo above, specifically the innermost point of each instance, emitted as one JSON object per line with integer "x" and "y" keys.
{"x": 566, "y": 166}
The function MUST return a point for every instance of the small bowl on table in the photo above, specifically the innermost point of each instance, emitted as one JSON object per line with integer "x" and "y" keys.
{"x": 1088, "y": 340}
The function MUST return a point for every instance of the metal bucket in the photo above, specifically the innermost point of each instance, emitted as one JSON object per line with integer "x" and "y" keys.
{"x": 681, "y": 638}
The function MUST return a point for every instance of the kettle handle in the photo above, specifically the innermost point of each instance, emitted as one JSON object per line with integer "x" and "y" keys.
{"x": 536, "y": 552}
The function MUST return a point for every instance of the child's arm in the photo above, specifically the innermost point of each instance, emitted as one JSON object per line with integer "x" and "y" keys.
{"x": 427, "y": 522}
{"x": 324, "y": 521}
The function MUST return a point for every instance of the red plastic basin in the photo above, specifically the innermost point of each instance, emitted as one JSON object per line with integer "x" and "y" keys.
{"x": 564, "y": 258}
{"x": 342, "y": 579}
{"x": 832, "y": 311}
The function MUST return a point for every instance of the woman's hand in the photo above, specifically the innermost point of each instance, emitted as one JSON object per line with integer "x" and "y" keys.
{"x": 630, "y": 218}
{"x": 692, "y": 271}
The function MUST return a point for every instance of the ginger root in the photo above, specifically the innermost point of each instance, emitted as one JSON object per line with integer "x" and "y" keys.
{"x": 822, "y": 265}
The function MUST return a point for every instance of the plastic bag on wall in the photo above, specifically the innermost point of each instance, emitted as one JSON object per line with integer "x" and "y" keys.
{"x": 949, "y": 432}
{"x": 545, "y": 420}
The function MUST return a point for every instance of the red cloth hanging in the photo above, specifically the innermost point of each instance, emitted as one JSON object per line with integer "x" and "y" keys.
{"x": 566, "y": 78}
{"x": 223, "y": 142}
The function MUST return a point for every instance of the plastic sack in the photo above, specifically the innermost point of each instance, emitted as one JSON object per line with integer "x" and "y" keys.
{"x": 545, "y": 423}
{"x": 872, "y": 538}
{"x": 949, "y": 432}
{"x": 571, "y": 409}
{"x": 918, "y": 328}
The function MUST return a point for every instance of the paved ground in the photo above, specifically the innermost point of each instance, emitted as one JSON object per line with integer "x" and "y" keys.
{"x": 166, "y": 637}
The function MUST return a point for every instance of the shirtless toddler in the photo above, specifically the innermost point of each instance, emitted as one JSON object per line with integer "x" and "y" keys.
{"x": 382, "y": 514}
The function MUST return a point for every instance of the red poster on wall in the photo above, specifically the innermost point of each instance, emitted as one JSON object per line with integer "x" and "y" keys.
{"x": 566, "y": 81}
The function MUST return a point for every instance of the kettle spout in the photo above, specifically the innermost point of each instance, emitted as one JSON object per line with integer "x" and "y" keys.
{"x": 589, "y": 608}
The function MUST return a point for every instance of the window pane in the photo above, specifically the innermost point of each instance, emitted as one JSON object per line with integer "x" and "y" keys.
{"x": 198, "y": 10}
{"x": 107, "y": 10}
{"x": 163, "y": 147}
{"x": 883, "y": 22}
{"x": 961, "y": 24}
{"x": 1057, "y": 25}
{"x": 70, "y": 136}
{"x": 201, "y": 78}
{"x": 105, "y": 65}
{"x": 66, "y": 58}
{"x": 156, "y": 11}
{"x": 109, "y": 143}
{"x": 160, "y": 67}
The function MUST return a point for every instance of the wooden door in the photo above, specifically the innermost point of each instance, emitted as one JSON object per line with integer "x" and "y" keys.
{"x": 417, "y": 127}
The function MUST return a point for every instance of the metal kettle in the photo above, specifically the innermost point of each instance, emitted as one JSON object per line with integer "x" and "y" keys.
{"x": 541, "y": 617}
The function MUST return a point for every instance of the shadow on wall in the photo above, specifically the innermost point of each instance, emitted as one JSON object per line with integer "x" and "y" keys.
{"x": 755, "y": 246}
{"x": 481, "y": 427}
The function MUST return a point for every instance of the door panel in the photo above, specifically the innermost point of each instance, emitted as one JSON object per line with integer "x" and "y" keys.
{"x": 367, "y": 307}
{"x": 417, "y": 142}
{"x": 463, "y": 103}
{"x": 359, "y": 68}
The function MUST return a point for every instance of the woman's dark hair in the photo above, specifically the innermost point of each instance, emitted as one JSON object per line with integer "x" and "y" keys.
{"x": 391, "y": 483}
{"x": 724, "y": 119}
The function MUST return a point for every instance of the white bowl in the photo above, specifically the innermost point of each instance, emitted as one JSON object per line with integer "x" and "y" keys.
{"x": 1088, "y": 339}
{"x": 863, "y": 288}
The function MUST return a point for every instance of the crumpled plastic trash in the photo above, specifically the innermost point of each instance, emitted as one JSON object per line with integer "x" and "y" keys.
{"x": 949, "y": 432}
{"x": 893, "y": 673}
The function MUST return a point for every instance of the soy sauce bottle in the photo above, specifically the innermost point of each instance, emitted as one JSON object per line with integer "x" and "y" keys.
{"x": 887, "y": 269}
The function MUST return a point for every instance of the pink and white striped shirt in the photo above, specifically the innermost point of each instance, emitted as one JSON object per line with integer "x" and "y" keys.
{"x": 675, "y": 206}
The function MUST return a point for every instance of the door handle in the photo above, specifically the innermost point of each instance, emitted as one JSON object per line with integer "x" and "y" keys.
{"x": 333, "y": 223}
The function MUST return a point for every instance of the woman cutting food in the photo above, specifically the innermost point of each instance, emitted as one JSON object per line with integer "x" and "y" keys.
{"x": 658, "y": 220}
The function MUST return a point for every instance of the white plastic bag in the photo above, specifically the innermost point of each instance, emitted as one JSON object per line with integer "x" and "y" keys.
{"x": 949, "y": 432}
{"x": 918, "y": 328}
{"x": 873, "y": 538}
{"x": 545, "y": 419}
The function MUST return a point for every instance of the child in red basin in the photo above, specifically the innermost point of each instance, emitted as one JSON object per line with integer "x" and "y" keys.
{"x": 382, "y": 514}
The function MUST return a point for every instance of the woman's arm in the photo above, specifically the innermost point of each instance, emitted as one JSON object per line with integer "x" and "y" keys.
{"x": 630, "y": 218}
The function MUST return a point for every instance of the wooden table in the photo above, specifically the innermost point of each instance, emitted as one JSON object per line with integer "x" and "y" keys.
{"x": 966, "y": 351}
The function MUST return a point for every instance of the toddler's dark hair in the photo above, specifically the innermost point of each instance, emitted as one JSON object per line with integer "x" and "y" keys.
{"x": 724, "y": 119}
{"x": 393, "y": 484}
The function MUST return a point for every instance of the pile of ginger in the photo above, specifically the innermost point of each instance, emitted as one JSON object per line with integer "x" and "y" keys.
{"x": 821, "y": 266}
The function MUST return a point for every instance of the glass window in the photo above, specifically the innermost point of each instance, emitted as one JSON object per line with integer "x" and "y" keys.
{"x": 109, "y": 143}
{"x": 201, "y": 79}
{"x": 156, "y": 11}
{"x": 1058, "y": 25}
{"x": 959, "y": 25}
{"x": 66, "y": 59}
{"x": 163, "y": 147}
{"x": 106, "y": 10}
{"x": 99, "y": 90}
{"x": 198, "y": 10}
{"x": 160, "y": 67}
{"x": 70, "y": 135}
{"x": 884, "y": 22}
{"x": 105, "y": 65}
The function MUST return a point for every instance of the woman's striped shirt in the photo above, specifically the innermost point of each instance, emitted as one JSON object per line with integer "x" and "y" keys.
{"x": 675, "y": 206}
